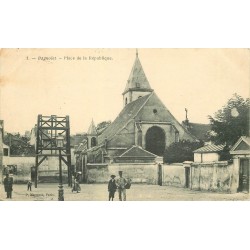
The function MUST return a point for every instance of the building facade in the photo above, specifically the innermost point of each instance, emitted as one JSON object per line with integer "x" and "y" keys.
{"x": 144, "y": 122}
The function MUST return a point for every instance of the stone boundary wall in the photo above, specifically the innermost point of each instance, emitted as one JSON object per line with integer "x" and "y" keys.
{"x": 48, "y": 171}
{"x": 138, "y": 173}
{"x": 24, "y": 164}
{"x": 173, "y": 175}
{"x": 214, "y": 176}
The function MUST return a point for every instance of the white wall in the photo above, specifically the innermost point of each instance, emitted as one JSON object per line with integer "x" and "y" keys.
{"x": 206, "y": 157}
{"x": 173, "y": 175}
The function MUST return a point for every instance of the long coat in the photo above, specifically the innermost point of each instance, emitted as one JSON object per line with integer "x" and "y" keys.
{"x": 8, "y": 183}
{"x": 112, "y": 186}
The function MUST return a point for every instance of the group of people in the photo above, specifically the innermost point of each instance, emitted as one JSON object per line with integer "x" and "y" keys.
{"x": 121, "y": 184}
{"x": 8, "y": 185}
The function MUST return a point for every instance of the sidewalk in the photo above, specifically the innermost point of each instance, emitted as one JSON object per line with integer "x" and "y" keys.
{"x": 99, "y": 192}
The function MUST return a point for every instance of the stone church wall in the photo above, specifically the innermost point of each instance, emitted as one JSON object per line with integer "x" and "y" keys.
{"x": 170, "y": 138}
{"x": 155, "y": 112}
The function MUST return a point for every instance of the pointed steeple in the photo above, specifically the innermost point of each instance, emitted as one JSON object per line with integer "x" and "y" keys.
{"x": 137, "y": 84}
{"x": 137, "y": 79}
{"x": 92, "y": 129}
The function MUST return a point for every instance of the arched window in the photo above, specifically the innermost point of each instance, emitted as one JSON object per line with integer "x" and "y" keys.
{"x": 126, "y": 101}
{"x": 93, "y": 142}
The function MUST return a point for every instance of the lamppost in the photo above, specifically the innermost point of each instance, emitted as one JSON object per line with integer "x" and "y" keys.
{"x": 59, "y": 143}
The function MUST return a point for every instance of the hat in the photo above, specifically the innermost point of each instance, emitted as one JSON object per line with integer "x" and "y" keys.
{"x": 120, "y": 172}
{"x": 112, "y": 176}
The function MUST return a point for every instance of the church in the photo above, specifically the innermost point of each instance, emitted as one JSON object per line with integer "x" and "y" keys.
{"x": 141, "y": 131}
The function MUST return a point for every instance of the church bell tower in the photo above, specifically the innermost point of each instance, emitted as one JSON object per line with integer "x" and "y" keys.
{"x": 137, "y": 84}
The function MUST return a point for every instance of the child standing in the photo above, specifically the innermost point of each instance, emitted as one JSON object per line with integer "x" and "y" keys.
{"x": 112, "y": 187}
{"x": 29, "y": 184}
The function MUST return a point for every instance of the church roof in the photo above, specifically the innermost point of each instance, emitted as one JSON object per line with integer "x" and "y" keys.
{"x": 136, "y": 151}
{"x": 82, "y": 146}
{"x": 92, "y": 129}
{"x": 137, "y": 79}
{"x": 199, "y": 130}
{"x": 128, "y": 113}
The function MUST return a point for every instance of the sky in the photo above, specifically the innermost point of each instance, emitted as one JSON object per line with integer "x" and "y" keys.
{"x": 201, "y": 80}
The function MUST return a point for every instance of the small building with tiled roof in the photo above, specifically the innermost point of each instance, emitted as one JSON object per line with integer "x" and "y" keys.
{"x": 208, "y": 153}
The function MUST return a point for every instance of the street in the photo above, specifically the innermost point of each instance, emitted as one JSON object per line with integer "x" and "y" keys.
{"x": 99, "y": 192}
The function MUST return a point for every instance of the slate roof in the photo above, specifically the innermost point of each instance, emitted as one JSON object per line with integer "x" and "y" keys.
{"x": 137, "y": 78}
{"x": 199, "y": 130}
{"x": 128, "y": 113}
{"x": 210, "y": 149}
{"x": 136, "y": 151}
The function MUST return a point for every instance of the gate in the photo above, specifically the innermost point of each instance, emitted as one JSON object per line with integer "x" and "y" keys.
{"x": 187, "y": 177}
{"x": 159, "y": 174}
{"x": 244, "y": 176}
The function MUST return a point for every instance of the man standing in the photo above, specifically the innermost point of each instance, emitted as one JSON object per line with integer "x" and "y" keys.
{"x": 8, "y": 183}
{"x": 121, "y": 183}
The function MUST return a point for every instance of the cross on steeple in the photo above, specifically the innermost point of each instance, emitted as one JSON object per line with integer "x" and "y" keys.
{"x": 186, "y": 113}
{"x": 136, "y": 52}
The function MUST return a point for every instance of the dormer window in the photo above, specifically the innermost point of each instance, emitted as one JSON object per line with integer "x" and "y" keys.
{"x": 137, "y": 85}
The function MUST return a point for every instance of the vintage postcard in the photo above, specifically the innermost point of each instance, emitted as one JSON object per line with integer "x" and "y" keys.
{"x": 124, "y": 124}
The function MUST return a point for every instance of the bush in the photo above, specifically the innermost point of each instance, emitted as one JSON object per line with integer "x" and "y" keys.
{"x": 181, "y": 151}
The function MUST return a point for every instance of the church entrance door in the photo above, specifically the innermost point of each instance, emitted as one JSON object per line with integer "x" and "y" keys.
{"x": 155, "y": 140}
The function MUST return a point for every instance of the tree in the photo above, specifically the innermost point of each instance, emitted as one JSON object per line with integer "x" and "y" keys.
{"x": 231, "y": 121}
{"x": 181, "y": 151}
{"x": 102, "y": 125}
{"x": 19, "y": 145}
